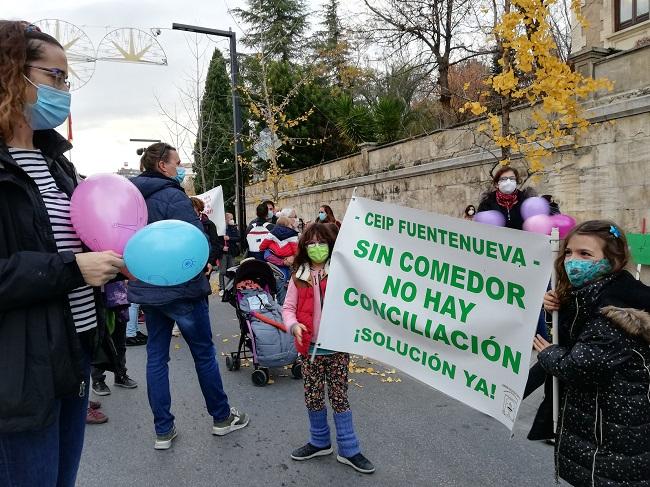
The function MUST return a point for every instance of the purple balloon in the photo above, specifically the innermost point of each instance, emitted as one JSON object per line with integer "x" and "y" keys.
{"x": 491, "y": 217}
{"x": 534, "y": 206}
{"x": 106, "y": 210}
{"x": 539, "y": 224}
{"x": 564, "y": 223}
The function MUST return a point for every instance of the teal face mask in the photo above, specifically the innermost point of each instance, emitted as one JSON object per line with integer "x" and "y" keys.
{"x": 581, "y": 272}
{"x": 180, "y": 174}
{"x": 51, "y": 109}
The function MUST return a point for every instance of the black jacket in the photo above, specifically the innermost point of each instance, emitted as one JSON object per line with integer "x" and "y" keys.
{"x": 513, "y": 216}
{"x": 40, "y": 353}
{"x": 603, "y": 365}
{"x": 166, "y": 200}
{"x": 210, "y": 230}
{"x": 234, "y": 245}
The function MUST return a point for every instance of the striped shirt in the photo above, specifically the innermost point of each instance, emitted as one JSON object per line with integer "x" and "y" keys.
{"x": 57, "y": 203}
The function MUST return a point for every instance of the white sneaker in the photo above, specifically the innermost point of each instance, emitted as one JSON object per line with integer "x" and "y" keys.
{"x": 165, "y": 441}
{"x": 221, "y": 293}
{"x": 235, "y": 421}
{"x": 176, "y": 331}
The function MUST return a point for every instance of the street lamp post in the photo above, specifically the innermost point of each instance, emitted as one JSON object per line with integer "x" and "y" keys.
{"x": 145, "y": 140}
{"x": 240, "y": 197}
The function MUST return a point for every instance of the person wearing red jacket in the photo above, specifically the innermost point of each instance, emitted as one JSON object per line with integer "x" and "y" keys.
{"x": 279, "y": 248}
{"x": 301, "y": 315}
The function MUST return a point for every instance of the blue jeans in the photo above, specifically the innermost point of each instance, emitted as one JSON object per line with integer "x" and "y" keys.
{"x": 132, "y": 325}
{"x": 49, "y": 457}
{"x": 193, "y": 320}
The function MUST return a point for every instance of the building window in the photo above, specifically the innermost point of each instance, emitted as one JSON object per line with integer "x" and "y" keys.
{"x": 630, "y": 12}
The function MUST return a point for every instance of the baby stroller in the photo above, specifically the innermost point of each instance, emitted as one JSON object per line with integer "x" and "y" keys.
{"x": 258, "y": 314}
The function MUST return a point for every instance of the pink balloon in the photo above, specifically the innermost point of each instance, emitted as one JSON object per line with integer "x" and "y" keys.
{"x": 539, "y": 224}
{"x": 490, "y": 217}
{"x": 564, "y": 223}
{"x": 106, "y": 210}
{"x": 534, "y": 206}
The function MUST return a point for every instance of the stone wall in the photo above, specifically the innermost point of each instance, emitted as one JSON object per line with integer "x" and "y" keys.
{"x": 603, "y": 174}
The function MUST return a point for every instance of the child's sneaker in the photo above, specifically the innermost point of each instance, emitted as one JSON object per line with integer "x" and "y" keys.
{"x": 235, "y": 421}
{"x": 310, "y": 451}
{"x": 163, "y": 442}
{"x": 357, "y": 462}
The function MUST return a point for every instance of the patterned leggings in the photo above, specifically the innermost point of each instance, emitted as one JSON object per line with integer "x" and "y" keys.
{"x": 332, "y": 369}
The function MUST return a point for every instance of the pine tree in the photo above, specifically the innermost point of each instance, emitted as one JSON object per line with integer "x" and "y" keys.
{"x": 214, "y": 144}
{"x": 333, "y": 49}
{"x": 333, "y": 33}
{"x": 276, "y": 27}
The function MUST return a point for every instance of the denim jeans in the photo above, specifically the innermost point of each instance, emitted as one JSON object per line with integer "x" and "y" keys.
{"x": 132, "y": 325}
{"x": 193, "y": 320}
{"x": 49, "y": 457}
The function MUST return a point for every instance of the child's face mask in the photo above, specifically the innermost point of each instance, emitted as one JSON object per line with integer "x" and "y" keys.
{"x": 318, "y": 252}
{"x": 581, "y": 272}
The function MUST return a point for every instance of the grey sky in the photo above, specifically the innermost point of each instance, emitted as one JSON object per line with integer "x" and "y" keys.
{"x": 119, "y": 101}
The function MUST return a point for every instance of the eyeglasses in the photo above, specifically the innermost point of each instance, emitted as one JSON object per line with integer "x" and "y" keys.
{"x": 507, "y": 178}
{"x": 60, "y": 76}
{"x": 311, "y": 245}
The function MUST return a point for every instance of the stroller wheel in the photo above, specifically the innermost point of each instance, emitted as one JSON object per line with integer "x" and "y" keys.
{"x": 229, "y": 362}
{"x": 235, "y": 361}
{"x": 296, "y": 370}
{"x": 260, "y": 377}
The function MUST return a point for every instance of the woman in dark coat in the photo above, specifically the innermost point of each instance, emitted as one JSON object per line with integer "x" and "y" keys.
{"x": 506, "y": 197}
{"x": 49, "y": 311}
{"x": 185, "y": 304}
{"x": 602, "y": 361}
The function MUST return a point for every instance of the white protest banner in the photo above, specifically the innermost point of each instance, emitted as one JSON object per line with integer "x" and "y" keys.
{"x": 450, "y": 302}
{"x": 213, "y": 200}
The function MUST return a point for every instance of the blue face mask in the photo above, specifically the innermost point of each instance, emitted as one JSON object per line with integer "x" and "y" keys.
{"x": 51, "y": 109}
{"x": 322, "y": 216}
{"x": 269, "y": 215}
{"x": 581, "y": 272}
{"x": 180, "y": 174}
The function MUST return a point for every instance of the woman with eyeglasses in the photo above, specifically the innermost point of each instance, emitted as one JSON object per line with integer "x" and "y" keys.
{"x": 185, "y": 304}
{"x": 506, "y": 197}
{"x": 49, "y": 311}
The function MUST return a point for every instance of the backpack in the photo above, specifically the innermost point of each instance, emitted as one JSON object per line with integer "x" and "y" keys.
{"x": 256, "y": 235}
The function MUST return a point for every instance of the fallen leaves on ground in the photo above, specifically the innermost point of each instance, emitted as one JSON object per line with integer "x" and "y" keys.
{"x": 358, "y": 367}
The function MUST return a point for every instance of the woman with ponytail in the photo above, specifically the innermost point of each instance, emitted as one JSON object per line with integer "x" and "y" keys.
{"x": 185, "y": 304}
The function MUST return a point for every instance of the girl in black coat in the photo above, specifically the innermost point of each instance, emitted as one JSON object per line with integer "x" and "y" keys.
{"x": 602, "y": 361}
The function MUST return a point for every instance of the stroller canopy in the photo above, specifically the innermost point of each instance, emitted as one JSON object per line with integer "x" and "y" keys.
{"x": 257, "y": 271}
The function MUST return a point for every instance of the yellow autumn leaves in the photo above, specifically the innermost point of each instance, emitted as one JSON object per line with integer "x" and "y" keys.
{"x": 532, "y": 72}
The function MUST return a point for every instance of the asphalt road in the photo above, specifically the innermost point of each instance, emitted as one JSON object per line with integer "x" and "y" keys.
{"x": 415, "y": 435}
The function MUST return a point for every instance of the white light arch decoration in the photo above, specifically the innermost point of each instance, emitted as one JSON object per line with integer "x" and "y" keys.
{"x": 78, "y": 48}
{"x": 131, "y": 45}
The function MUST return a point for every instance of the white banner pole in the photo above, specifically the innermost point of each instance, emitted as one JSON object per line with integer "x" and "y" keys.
{"x": 555, "y": 247}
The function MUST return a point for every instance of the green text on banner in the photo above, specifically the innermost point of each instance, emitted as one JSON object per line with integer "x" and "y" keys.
{"x": 452, "y": 303}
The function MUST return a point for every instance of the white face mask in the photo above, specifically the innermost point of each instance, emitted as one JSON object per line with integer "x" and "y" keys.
{"x": 508, "y": 186}
{"x": 231, "y": 222}
{"x": 471, "y": 212}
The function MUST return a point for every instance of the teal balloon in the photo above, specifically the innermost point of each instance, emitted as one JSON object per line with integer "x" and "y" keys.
{"x": 167, "y": 253}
